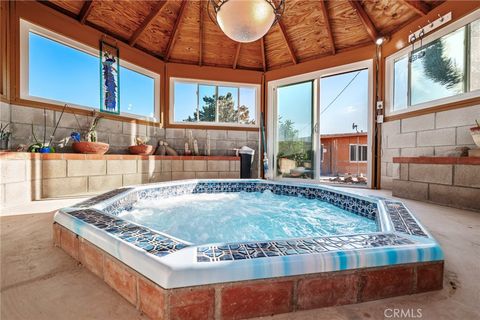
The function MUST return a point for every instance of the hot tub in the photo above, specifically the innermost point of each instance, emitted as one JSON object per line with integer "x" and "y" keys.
{"x": 219, "y": 234}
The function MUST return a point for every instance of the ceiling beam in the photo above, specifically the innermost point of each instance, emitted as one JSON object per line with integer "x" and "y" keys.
{"x": 200, "y": 40}
{"x": 147, "y": 21}
{"x": 326, "y": 18}
{"x": 420, "y": 7}
{"x": 237, "y": 54}
{"x": 367, "y": 23}
{"x": 85, "y": 11}
{"x": 174, "y": 34}
{"x": 289, "y": 44}
{"x": 264, "y": 60}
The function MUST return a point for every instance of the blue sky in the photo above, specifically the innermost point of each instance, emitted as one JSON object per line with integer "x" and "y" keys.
{"x": 62, "y": 73}
{"x": 295, "y": 104}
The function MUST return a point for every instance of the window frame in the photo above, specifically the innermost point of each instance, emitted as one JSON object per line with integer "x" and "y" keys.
{"x": 217, "y": 84}
{"x": 26, "y": 27}
{"x": 407, "y": 51}
{"x": 358, "y": 152}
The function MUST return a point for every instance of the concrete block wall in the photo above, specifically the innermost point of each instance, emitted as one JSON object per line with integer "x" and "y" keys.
{"x": 24, "y": 180}
{"x": 120, "y": 135}
{"x": 433, "y": 134}
{"x": 455, "y": 185}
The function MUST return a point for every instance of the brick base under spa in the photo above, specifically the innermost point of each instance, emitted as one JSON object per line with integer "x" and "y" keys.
{"x": 255, "y": 298}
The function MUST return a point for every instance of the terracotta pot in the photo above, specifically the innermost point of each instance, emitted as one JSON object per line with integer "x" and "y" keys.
{"x": 142, "y": 149}
{"x": 90, "y": 147}
{"x": 475, "y": 132}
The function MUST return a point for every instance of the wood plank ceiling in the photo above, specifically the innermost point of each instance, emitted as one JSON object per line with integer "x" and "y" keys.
{"x": 181, "y": 31}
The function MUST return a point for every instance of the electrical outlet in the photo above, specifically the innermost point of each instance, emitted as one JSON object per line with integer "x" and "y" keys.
{"x": 379, "y": 104}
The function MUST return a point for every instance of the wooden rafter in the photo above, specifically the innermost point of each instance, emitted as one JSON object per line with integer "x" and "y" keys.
{"x": 237, "y": 54}
{"x": 328, "y": 26}
{"x": 419, "y": 6}
{"x": 85, "y": 11}
{"x": 174, "y": 34}
{"x": 367, "y": 22}
{"x": 289, "y": 44}
{"x": 264, "y": 61}
{"x": 148, "y": 20}
{"x": 200, "y": 40}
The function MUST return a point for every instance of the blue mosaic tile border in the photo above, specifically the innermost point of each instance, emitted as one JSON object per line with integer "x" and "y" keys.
{"x": 242, "y": 251}
{"x": 102, "y": 197}
{"x": 402, "y": 219}
{"x": 358, "y": 206}
{"x": 144, "y": 238}
{"x": 123, "y": 204}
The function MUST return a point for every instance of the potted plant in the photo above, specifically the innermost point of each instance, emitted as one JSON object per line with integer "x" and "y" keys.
{"x": 4, "y": 137}
{"x": 141, "y": 147}
{"x": 44, "y": 146}
{"x": 475, "y": 132}
{"x": 91, "y": 145}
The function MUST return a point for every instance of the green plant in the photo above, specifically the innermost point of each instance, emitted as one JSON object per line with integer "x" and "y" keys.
{"x": 44, "y": 146}
{"x": 38, "y": 146}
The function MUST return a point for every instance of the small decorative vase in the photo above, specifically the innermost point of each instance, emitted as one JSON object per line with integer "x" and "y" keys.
{"x": 141, "y": 149}
{"x": 44, "y": 150}
{"x": 475, "y": 132}
{"x": 90, "y": 147}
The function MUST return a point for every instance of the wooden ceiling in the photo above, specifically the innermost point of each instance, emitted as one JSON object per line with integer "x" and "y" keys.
{"x": 181, "y": 30}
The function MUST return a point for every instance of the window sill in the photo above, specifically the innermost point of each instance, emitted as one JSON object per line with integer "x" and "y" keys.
{"x": 211, "y": 127}
{"x": 431, "y": 108}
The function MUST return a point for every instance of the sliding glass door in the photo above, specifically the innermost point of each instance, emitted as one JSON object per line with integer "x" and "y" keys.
{"x": 295, "y": 136}
{"x": 344, "y": 128}
{"x": 322, "y": 127}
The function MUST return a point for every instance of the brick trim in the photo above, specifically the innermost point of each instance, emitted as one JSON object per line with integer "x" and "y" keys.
{"x": 370, "y": 282}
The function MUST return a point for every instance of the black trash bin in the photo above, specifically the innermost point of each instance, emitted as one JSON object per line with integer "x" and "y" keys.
{"x": 246, "y": 160}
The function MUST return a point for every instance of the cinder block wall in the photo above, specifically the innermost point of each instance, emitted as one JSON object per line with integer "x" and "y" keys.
{"x": 434, "y": 134}
{"x": 455, "y": 185}
{"x": 120, "y": 135}
{"x": 24, "y": 180}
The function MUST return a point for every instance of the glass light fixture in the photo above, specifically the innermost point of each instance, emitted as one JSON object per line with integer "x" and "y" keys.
{"x": 245, "y": 20}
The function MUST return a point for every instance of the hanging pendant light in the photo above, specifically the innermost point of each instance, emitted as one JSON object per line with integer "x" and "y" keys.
{"x": 245, "y": 20}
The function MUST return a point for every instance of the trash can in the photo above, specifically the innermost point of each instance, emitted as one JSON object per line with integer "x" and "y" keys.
{"x": 246, "y": 160}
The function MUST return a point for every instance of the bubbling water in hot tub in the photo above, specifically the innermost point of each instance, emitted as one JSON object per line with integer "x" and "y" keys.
{"x": 245, "y": 216}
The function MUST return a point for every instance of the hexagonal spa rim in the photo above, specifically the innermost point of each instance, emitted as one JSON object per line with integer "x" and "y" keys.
{"x": 174, "y": 263}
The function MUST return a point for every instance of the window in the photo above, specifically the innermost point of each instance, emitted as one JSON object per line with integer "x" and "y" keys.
{"x": 445, "y": 69}
{"x": 202, "y": 102}
{"x": 58, "y": 70}
{"x": 62, "y": 73}
{"x": 137, "y": 93}
{"x": 358, "y": 152}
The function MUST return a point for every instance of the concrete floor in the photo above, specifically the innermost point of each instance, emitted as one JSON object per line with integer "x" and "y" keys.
{"x": 39, "y": 281}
